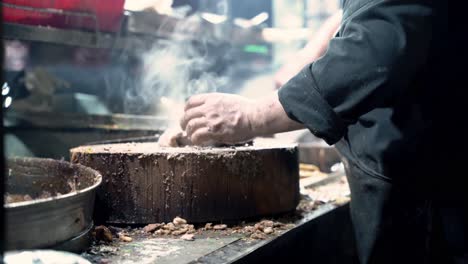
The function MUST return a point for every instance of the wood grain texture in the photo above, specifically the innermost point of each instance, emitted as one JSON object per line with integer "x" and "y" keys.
{"x": 144, "y": 183}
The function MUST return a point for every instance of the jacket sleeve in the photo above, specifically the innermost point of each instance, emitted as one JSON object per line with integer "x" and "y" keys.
{"x": 380, "y": 47}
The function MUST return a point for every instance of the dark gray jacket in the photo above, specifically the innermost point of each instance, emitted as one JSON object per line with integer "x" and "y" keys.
{"x": 380, "y": 92}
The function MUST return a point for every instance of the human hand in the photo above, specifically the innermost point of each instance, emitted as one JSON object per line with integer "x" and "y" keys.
{"x": 174, "y": 137}
{"x": 217, "y": 118}
{"x": 169, "y": 137}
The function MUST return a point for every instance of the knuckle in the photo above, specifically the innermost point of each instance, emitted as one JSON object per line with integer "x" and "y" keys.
{"x": 217, "y": 126}
{"x": 190, "y": 128}
{"x": 189, "y": 101}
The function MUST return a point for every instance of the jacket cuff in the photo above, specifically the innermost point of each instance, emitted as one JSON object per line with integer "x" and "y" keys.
{"x": 303, "y": 103}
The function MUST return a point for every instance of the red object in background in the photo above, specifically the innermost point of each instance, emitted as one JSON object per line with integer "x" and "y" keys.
{"x": 107, "y": 13}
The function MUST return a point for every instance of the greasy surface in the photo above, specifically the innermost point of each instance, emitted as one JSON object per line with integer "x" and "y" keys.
{"x": 329, "y": 192}
{"x": 144, "y": 183}
{"x": 156, "y": 250}
{"x": 29, "y": 179}
{"x": 215, "y": 241}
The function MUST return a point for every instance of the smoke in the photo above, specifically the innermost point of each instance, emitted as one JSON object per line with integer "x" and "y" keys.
{"x": 174, "y": 70}
{"x": 258, "y": 86}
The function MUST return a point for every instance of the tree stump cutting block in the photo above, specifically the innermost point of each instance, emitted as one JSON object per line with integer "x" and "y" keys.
{"x": 144, "y": 183}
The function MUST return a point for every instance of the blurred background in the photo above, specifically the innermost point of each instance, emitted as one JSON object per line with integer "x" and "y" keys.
{"x": 79, "y": 71}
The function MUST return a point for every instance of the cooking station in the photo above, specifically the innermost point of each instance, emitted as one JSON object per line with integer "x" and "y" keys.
{"x": 318, "y": 228}
{"x": 308, "y": 238}
{"x": 85, "y": 174}
{"x": 305, "y": 231}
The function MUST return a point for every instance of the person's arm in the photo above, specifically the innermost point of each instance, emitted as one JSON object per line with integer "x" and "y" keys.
{"x": 216, "y": 118}
{"x": 381, "y": 47}
{"x": 268, "y": 117}
{"x": 313, "y": 50}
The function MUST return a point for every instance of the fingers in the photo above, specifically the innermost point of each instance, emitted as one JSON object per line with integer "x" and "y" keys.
{"x": 191, "y": 114}
{"x": 169, "y": 138}
{"x": 166, "y": 140}
{"x": 195, "y": 124}
{"x": 203, "y": 137}
{"x": 200, "y": 133}
{"x": 192, "y": 109}
{"x": 183, "y": 141}
{"x": 195, "y": 101}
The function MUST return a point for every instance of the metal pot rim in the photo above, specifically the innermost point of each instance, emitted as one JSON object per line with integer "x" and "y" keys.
{"x": 98, "y": 180}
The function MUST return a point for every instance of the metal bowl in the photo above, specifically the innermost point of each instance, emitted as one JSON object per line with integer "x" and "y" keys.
{"x": 65, "y": 215}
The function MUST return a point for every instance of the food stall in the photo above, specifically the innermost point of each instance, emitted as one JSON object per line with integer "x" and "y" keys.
{"x": 89, "y": 86}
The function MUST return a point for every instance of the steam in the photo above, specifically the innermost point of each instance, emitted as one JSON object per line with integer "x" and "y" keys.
{"x": 258, "y": 86}
{"x": 176, "y": 68}
{"x": 173, "y": 70}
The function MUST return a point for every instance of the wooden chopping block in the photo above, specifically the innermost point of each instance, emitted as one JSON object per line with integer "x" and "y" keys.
{"x": 144, "y": 183}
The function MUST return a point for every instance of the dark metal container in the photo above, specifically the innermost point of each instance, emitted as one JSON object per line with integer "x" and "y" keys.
{"x": 62, "y": 219}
